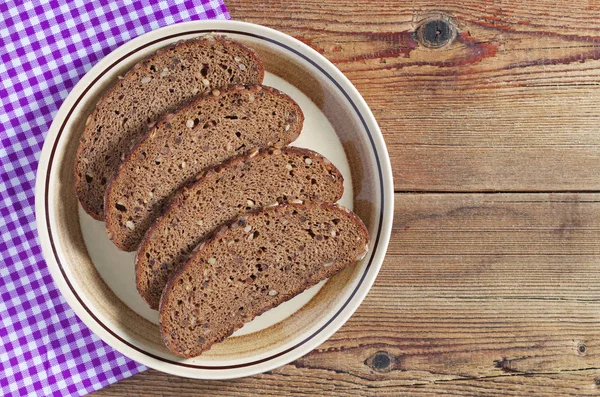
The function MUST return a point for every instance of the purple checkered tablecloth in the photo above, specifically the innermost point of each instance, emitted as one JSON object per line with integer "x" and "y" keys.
{"x": 45, "y": 48}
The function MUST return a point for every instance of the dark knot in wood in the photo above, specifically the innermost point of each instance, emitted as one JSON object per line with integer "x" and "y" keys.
{"x": 380, "y": 362}
{"x": 435, "y": 32}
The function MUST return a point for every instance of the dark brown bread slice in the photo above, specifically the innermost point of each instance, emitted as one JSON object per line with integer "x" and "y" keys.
{"x": 222, "y": 194}
{"x": 159, "y": 84}
{"x": 210, "y": 130}
{"x": 260, "y": 261}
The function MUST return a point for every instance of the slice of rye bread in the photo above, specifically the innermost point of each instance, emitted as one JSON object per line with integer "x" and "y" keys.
{"x": 256, "y": 263}
{"x": 210, "y": 130}
{"x": 223, "y": 194}
{"x": 156, "y": 85}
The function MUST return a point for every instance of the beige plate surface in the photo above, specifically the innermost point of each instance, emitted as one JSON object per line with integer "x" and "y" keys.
{"x": 97, "y": 280}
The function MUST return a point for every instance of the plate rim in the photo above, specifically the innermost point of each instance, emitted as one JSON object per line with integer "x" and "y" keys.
{"x": 138, "y": 353}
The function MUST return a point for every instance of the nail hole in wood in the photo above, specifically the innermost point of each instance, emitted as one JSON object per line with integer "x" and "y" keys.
{"x": 380, "y": 362}
{"x": 435, "y": 33}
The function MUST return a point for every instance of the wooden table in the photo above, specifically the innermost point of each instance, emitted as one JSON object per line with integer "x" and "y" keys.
{"x": 491, "y": 285}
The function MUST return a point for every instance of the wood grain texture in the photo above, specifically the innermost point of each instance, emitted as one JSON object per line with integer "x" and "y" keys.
{"x": 480, "y": 294}
{"x": 510, "y": 105}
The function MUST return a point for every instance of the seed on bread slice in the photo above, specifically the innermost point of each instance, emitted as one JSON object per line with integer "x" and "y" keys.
{"x": 210, "y": 130}
{"x": 156, "y": 85}
{"x": 258, "y": 262}
{"x": 221, "y": 195}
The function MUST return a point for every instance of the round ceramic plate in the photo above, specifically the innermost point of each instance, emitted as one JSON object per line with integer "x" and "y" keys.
{"x": 98, "y": 280}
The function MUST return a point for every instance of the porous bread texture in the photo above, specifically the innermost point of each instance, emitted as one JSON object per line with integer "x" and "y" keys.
{"x": 258, "y": 262}
{"x": 156, "y": 85}
{"x": 203, "y": 134}
{"x": 241, "y": 184}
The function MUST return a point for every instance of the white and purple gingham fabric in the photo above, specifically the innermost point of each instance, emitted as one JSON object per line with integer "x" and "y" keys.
{"x": 45, "y": 48}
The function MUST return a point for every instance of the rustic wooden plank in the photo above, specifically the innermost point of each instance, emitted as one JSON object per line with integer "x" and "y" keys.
{"x": 480, "y": 294}
{"x": 300, "y": 382}
{"x": 468, "y": 224}
{"x": 511, "y": 105}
